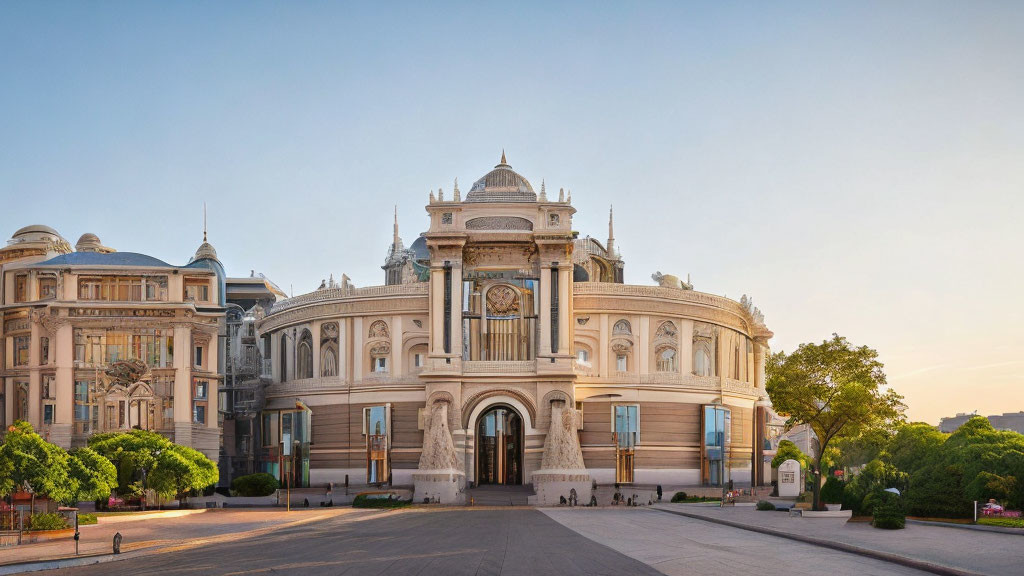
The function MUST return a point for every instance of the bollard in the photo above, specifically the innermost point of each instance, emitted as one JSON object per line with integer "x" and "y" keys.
{"x": 117, "y": 543}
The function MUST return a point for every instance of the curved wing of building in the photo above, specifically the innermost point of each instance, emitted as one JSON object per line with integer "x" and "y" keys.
{"x": 504, "y": 349}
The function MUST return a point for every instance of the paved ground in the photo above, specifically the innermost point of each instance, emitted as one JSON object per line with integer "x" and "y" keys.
{"x": 140, "y": 533}
{"x": 676, "y": 546}
{"x": 506, "y": 542}
{"x": 970, "y": 550}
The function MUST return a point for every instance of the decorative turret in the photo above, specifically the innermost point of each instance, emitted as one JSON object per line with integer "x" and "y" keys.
{"x": 543, "y": 192}
{"x": 456, "y": 195}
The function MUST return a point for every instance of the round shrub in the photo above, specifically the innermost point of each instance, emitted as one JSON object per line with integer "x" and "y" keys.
{"x": 679, "y": 497}
{"x": 259, "y": 484}
{"x": 765, "y": 505}
{"x": 363, "y": 501}
{"x": 48, "y": 521}
{"x": 832, "y": 491}
{"x": 888, "y": 513}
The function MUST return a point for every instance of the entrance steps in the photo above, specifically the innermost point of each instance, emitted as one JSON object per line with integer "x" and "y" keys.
{"x": 499, "y": 495}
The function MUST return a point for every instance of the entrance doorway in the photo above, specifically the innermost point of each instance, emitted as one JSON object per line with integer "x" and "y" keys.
{"x": 500, "y": 447}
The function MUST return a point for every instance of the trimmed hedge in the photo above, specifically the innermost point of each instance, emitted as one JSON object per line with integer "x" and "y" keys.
{"x": 47, "y": 521}
{"x": 1004, "y": 522}
{"x": 832, "y": 491}
{"x": 679, "y": 497}
{"x": 362, "y": 501}
{"x": 765, "y": 505}
{"x": 888, "y": 513}
{"x": 259, "y": 484}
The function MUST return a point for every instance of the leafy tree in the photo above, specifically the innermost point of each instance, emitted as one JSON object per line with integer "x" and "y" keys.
{"x": 914, "y": 446}
{"x": 787, "y": 450}
{"x": 92, "y": 475}
{"x": 26, "y": 458}
{"x": 180, "y": 469}
{"x": 866, "y": 488}
{"x": 835, "y": 388}
{"x": 861, "y": 449}
{"x": 133, "y": 453}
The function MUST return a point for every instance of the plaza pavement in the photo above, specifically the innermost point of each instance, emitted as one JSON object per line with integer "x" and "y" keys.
{"x": 679, "y": 546}
{"x": 968, "y": 551}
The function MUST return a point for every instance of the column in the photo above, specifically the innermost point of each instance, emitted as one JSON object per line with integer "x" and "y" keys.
{"x": 357, "y": 348}
{"x": 63, "y": 350}
{"x": 182, "y": 375}
{"x": 34, "y": 392}
{"x": 686, "y": 347}
{"x": 457, "y": 309}
{"x": 604, "y": 351}
{"x": 314, "y": 330}
{"x": 213, "y": 393}
{"x": 545, "y": 311}
{"x": 9, "y": 400}
{"x": 397, "y": 354}
{"x": 436, "y": 310}
{"x": 343, "y": 359}
{"x": 643, "y": 344}
{"x": 564, "y": 305}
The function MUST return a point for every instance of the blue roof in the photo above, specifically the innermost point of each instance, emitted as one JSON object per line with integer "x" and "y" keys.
{"x": 100, "y": 259}
{"x": 419, "y": 248}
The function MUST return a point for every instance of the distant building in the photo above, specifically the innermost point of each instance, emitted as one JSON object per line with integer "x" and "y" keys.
{"x": 1009, "y": 421}
{"x": 96, "y": 340}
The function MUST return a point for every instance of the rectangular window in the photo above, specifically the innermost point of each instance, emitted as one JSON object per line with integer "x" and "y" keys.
{"x": 620, "y": 363}
{"x": 269, "y": 432}
{"x": 627, "y": 432}
{"x": 47, "y": 288}
{"x": 583, "y": 357}
{"x": 717, "y": 422}
{"x": 199, "y": 355}
{"x": 48, "y": 414}
{"x": 380, "y": 364}
{"x": 417, "y": 360}
{"x": 197, "y": 290}
{"x": 200, "y": 400}
{"x": 21, "y": 288}
{"x": 375, "y": 426}
{"x": 154, "y": 347}
{"x": 123, "y": 288}
{"x": 21, "y": 345}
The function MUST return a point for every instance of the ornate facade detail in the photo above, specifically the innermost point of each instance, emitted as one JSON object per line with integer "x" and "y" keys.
{"x": 381, "y": 349}
{"x": 502, "y": 301}
{"x": 379, "y": 329}
{"x": 622, "y": 328}
{"x": 670, "y": 281}
{"x": 499, "y": 223}
{"x": 438, "y": 448}
{"x": 470, "y": 403}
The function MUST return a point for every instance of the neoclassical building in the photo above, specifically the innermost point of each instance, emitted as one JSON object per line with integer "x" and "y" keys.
{"x": 99, "y": 340}
{"x": 505, "y": 349}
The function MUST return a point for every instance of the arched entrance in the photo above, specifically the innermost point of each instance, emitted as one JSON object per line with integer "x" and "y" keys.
{"x": 499, "y": 441}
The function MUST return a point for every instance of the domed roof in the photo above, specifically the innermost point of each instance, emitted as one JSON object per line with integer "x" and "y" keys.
{"x": 37, "y": 228}
{"x": 205, "y": 251}
{"x": 419, "y": 248}
{"x": 88, "y": 243}
{"x": 502, "y": 185}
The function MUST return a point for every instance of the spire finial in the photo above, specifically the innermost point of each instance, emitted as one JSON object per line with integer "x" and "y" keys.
{"x": 610, "y": 247}
{"x": 204, "y": 221}
{"x": 394, "y": 241}
{"x": 568, "y": 197}
{"x": 503, "y": 161}
{"x": 456, "y": 195}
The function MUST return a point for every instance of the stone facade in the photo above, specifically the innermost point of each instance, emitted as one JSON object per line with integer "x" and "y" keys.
{"x": 517, "y": 343}
{"x": 99, "y": 340}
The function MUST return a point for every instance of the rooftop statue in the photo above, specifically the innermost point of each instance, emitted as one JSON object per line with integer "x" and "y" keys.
{"x": 670, "y": 281}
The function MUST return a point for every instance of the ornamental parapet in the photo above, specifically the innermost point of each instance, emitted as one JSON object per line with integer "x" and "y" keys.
{"x": 674, "y": 380}
{"x": 665, "y": 300}
{"x": 499, "y": 367}
{"x": 329, "y": 294}
{"x": 319, "y": 385}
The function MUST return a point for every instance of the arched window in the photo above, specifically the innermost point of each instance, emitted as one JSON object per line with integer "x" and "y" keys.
{"x": 667, "y": 330}
{"x": 666, "y": 359}
{"x": 702, "y": 362}
{"x": 329, "y": 361}
{"x": 622, "y": 327}
{"x": 304, "y": 362}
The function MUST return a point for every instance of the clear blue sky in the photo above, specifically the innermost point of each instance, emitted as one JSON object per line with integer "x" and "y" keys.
{"x": 857, "y": 168}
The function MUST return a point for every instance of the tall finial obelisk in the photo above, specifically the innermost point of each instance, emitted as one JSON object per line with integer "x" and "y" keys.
{"x": 394, "y": 239}
{"x": 610, "y": 247}
{"x": 204, "y": 221}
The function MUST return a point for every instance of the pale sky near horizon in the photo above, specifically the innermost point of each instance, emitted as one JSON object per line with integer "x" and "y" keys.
{"x": 857, "y": 168}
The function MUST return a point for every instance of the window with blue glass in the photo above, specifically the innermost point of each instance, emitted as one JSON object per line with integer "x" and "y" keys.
{"x": 717, "y": 421}
{"x": 627, "y": 429}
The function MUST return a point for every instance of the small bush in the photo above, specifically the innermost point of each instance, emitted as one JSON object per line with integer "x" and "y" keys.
{"x": 679, "y": 497}
{"x": 1004, "y": 522}
{"x": 888, "y": 512}
{"x": 86, "y": 519}
{"x": 765, "y": 505}
{"x": 47, "y": 521}
{"x": 363, "y": 501}
{"x": 259, "y": 484}
{"x": 832, "y": 491}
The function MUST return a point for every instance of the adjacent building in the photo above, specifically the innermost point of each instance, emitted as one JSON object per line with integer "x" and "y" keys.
{"x": 96, "y": 340}
{"x": 503, "y": 348}
{"x": 1007, "y": 421}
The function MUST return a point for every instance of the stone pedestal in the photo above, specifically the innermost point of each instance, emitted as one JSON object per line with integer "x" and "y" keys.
{"x": 443, "y": 486}
{"x": 439, "y": 478}
{"x": 562, "y": 470}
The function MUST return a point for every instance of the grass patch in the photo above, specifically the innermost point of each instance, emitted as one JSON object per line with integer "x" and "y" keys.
{"x": 86, "y": 519}
{"x": 947, "y": 520}
{"x": 1004, "y": 522}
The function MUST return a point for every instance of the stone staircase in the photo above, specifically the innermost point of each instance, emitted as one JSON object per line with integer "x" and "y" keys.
{"x": 496, "y": 495}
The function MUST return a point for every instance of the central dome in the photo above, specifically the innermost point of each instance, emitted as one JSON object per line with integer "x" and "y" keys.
{"x": 502, "y": 185}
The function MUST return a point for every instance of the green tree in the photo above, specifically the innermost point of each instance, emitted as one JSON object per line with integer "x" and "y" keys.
{"x": 787, "y": 450}
{"x": 915, "y": 446}
{"x": 133, "y": 453}
{"x": 835, "y": 388}
{"x": 26, "y": 458}
{"x": 861, "y": 449}
{"x": 92, "y": 475}
{"x": 180, "y": 469}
